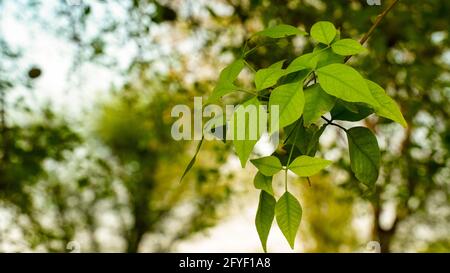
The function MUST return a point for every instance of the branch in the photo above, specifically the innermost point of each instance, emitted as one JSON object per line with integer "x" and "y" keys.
{"x": 380, "y": 17}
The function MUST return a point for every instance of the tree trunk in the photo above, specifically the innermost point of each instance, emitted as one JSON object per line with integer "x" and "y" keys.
{"x": 382, "y": 236}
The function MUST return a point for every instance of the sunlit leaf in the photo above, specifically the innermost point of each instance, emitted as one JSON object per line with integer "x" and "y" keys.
{"x": 304, "y": 166}
{"x": 344, "y": 82}
{"x": 244, "y": 145}
{"x": 388, "y": 108}
{"x": 346, "y": 47}
{"x": 290, "y": 100}
{"x": 305, "y": 61}
{"x": 225, "y": 83}
{"x": 268, "y": 165}
{"x": 268, "y": 77}
{"x": 289, "y": 214}
{"x": 323, "y": 32}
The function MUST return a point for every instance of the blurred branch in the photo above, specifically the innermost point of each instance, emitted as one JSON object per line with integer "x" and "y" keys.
{"x": 380, "y": 17}
{"x": 3, "y": 125}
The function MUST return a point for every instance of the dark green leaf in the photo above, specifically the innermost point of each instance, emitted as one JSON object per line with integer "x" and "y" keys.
{"x": 350, "y": 111}
{"x": 364, "y": 154}
{"x": 264, "y": 217}
{"x": 191, "y": 163}
{"x": 280, "y": 31}
{"x": 317, "y": 103}
{"x": 263, "y": 182}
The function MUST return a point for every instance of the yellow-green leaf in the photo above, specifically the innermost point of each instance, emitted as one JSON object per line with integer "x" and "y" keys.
{"x": 245, "y": 128}
{"x": 268, "y": 165}
{"x": 304, "y": 166}
{"x": 388, "y": 108}
{"x": 346, "y": 47}
{"x": 344, "y": 82}
{"x": 226, "y": 78}
{"x": 323, "y": 32}
{"x": 288, "y": 212}
{"x": 290, "y": 100}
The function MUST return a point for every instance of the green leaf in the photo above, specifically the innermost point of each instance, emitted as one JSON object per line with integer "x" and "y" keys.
{"x": 280, "y": 31}
{"x": 268, "y": 165}
{"x": 304, "y": 166}
{"x": 346, "y": 47}
{"x": 244, "y": 146}
{"x": 278, "y": 65}
{"x": 305, "y": 61}
{"x": 192, "y": 162}
{"x": 364, "y": 154}
{"x": 350, "y": 111}
{"x": 317, "y": 103}
{"x": 307, "y": 138}
{"x": 264, "y": 217}
{"x": 290, "y": 100}
{"x": 344, "y": 82}
{"x": 263, "y": 182}
{"x": 323, "y": 32}
{"x": 289, "y": 214}
{"x": 226, "y": 78}
{"x": 327, "y": 56}
{"x": 388, "y": 108}
{"x": 268, "y": 77}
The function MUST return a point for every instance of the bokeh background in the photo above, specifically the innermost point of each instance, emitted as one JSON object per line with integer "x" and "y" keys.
{"x": 87, "y": 162}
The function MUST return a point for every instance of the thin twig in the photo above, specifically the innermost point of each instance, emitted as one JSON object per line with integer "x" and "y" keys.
{"x": 330, "y": 122}
{"x": 380, "y": 17}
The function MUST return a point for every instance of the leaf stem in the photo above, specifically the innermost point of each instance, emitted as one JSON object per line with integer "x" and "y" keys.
{"x": 249, "y": 66}
{"x": 251, "y": 93}
{"x": 290, "y": 156}
{"x": 330, "y": 122}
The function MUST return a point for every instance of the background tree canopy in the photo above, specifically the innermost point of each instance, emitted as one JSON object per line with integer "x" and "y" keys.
{"x": 100, "y": 167}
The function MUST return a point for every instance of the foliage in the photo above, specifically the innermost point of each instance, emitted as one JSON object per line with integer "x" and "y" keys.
{"x": 283, "y": 87}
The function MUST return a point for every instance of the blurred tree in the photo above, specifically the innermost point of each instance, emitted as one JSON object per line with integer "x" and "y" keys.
{"x": 408, "y": 55}
{"x": 328, "y": 217}
{"x": 61, "y": 184}
{"x": 135, "y": 125}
